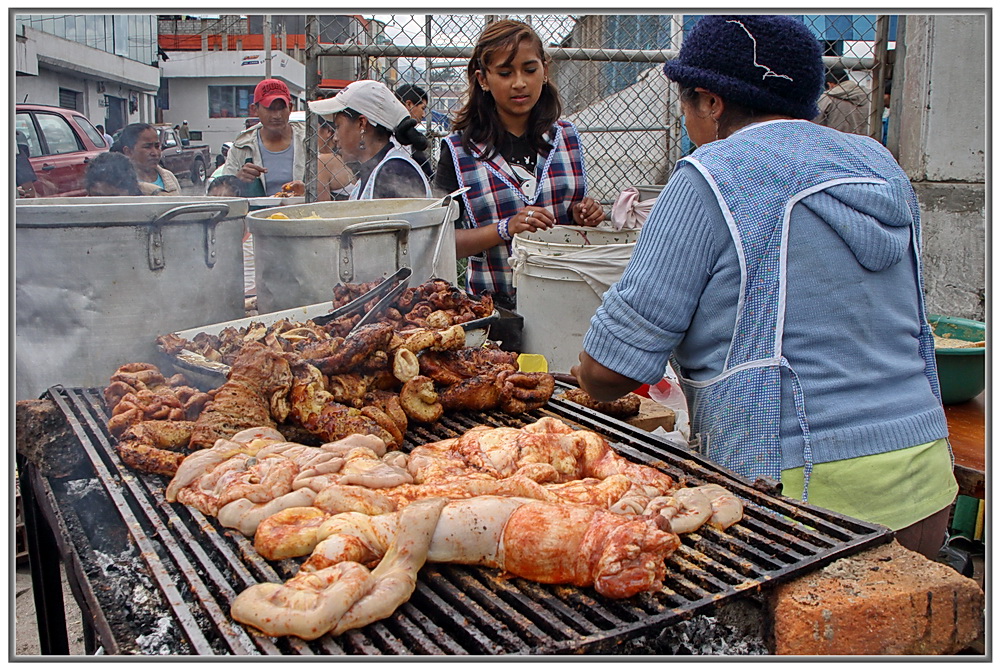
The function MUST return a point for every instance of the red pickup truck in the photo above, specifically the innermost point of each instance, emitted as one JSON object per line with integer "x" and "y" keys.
{"x": 184, "y": 160}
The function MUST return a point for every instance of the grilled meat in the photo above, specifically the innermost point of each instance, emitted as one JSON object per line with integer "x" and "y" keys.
{"x": 626, "y": 406}
{"x": 254, "y": 395}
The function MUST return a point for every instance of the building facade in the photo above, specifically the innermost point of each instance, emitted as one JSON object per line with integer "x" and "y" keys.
{"x": 103, "y": 65}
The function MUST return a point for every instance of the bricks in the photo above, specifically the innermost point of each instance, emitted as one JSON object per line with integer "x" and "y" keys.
{"x": 884, "y": 601}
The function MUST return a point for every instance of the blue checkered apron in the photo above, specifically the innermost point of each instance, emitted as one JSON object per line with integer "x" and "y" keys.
{"x": 758, "y": 175}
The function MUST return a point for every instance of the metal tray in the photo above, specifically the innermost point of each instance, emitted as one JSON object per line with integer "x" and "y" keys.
{"x": 206, "y": 374}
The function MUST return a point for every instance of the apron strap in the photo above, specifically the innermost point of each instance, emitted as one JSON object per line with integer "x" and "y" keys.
{"x": 800, "y": 413}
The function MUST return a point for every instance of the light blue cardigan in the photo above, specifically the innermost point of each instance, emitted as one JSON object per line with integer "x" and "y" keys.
{"x": 851, "y": 324}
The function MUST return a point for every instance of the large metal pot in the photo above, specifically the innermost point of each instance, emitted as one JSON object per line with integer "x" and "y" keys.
{"x": 300, "y": 258}
{"x": 99, "y": 278}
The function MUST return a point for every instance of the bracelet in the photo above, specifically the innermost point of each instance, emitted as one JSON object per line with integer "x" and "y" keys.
{"x": 502, "y": 230}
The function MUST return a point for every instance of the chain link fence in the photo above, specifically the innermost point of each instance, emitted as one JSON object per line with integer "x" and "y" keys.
{"x": 607, "y": 68}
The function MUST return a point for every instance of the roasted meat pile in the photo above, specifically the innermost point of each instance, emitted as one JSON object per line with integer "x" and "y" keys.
{"x": 151, "y": 416}
{"x": 436, "y": 304}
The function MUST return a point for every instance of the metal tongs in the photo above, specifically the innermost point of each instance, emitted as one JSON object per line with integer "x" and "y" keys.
{"x": 389, "y": 289}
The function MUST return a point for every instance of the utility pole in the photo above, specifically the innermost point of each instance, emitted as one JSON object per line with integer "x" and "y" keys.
{"x": 267, "y": 46}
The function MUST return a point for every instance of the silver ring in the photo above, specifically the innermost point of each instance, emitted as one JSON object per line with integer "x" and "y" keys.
{"x": 528, "y": 218}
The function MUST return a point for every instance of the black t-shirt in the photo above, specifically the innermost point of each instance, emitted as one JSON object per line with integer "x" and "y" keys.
{"x": 396, "y": 179}
{"x": 516, "y": 150}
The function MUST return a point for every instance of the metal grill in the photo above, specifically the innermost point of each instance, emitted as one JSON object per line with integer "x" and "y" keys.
{"x": 159, "y": 578}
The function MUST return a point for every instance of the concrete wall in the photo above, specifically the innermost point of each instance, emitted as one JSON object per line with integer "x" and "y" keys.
{"x": 938, "y": 133}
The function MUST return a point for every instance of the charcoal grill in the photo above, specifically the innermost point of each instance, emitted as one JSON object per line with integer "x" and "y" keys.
{"x": 158, "y": 578}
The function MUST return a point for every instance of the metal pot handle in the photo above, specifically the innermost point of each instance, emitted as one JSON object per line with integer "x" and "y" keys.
{"x": 400, "y": 227}
{"x": 155, "y": 244}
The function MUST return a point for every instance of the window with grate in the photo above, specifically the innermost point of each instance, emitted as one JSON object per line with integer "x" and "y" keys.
{"x": 68, "y": 99}
{"x": 227, "y": 102}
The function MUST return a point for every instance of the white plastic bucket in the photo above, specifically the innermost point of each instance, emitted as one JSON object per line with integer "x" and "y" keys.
{"x": 561, "y": 275}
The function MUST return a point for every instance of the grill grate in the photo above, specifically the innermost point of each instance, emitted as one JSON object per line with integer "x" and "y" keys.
{"x": 188, "y": 569}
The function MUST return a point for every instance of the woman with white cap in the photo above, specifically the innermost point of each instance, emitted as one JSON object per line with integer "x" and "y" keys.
{"x": 367, "y": 115}
{"x": 780, "y": 269}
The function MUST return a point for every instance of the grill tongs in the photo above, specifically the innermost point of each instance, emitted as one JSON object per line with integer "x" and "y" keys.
{"x": 389, "y": 289}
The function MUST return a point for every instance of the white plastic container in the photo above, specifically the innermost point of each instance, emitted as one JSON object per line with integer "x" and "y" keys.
{"x": 561, "y": 275}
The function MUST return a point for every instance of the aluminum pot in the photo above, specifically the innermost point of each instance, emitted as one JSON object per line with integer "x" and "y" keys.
{"x": 298, "y": 259}
{"x": 98, "y": 279}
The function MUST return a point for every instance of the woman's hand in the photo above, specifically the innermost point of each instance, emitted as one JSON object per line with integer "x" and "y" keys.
{"x": 587, "y": 212}
{"x": 603, "y": 384}
{"x": 530, "y": 220}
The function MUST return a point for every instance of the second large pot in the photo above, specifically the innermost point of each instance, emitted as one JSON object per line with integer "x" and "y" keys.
{"x": 301, "y": 256}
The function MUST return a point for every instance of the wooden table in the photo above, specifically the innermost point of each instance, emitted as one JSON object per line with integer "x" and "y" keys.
{"x": 967, "y": 433}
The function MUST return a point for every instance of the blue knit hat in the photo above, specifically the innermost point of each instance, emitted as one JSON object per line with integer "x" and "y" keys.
{"x": 767, "y": 63}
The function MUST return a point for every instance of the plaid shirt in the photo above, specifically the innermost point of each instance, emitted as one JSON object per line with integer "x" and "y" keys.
{"x": 494, "y": 195}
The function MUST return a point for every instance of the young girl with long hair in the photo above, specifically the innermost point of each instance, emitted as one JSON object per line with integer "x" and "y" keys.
{"x": 522, "y": 164}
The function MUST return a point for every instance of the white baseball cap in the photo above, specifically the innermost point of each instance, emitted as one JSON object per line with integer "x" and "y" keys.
{"x": 368, "y": 97}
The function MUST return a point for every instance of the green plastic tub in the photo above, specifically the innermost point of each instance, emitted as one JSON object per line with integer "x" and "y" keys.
{"x": 961, "y": 370}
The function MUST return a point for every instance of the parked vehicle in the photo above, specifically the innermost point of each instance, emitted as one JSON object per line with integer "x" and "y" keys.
{"x": 184, "y": 160}
{"x": 61, "y": 142}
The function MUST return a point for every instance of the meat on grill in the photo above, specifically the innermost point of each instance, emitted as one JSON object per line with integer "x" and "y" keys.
{"x": 254, "y": 395}
{"x": 626, "y": 406}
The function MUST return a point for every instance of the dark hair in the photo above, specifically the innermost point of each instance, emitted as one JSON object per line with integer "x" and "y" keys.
{"x": 411, "y": 93}
{"x": 835, "y": 75}
{"x": 733, "y": 117}
{"x": 478, "y": 121}
{"x": 405, "y": 131}
{"x": 115, "y": 169}
{"x": 226, "y": 181}
{"x": 130, "y": 135}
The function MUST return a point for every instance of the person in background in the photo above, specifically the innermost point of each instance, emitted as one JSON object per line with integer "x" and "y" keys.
{"x": 23, "y": 172}
{"x": 141, "y": 144}
{"x": 185, "y": 133}
{"x": 886, "y": 92}
{"x": 271, "y": 153}
{"x": 108, "y": 140}
{"x": 415, "y": 99}
{"x": 845, "y": 104}
{"x": 524, "y": 166}
{"x": 771, "y": 231}
{"x": 226, "y": 185}
{"x": 220, "y": 164}
{"x": 366, "y": 116}
{"x": 334, "y": 179}
{"x": 111, "y": 174}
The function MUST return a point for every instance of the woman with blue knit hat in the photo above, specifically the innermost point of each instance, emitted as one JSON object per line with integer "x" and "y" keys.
{"x": 780, "y": 272}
